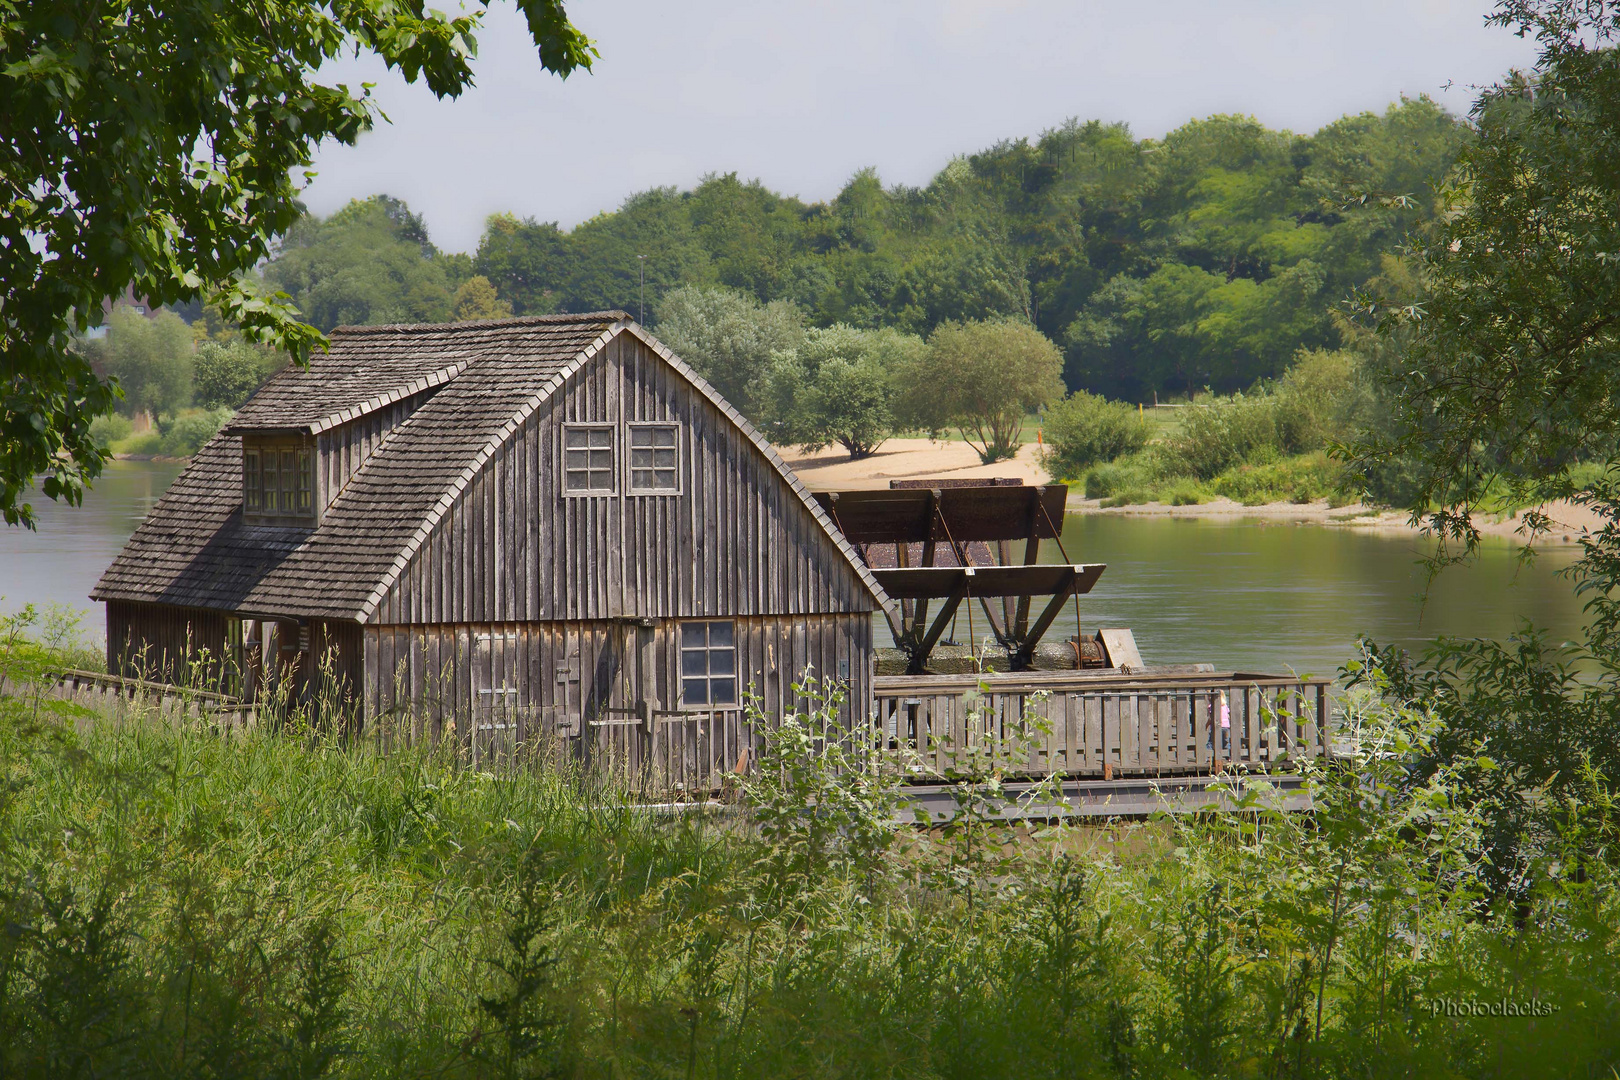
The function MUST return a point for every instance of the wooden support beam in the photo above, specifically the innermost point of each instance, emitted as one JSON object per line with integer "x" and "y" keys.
{"x": 919, "y": 655}
{"x": 1026, "y": 647}
{"x": 1032, "y": 555}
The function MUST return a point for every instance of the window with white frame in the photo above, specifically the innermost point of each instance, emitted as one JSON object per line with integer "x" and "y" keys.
{"x": 654, "y": 459}
{"x": 278, "y": 481}
{"x": 708, "y": 664}
{"x": 589, "y": 461}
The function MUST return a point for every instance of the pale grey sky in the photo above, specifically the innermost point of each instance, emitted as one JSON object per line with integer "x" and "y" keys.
{"x": 802, "y": 95}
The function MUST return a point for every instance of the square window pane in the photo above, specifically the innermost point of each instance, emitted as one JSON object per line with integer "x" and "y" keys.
{"x": 695, "y": 691}
{"x": 722, "y": 662}
{"x": 576, "y": 437}
{"x": 694, "y": 662}
{"x": 694, "y": 635}
{"x": 643, "y": 478}
{"x": 720, "y": 634}
{"x": 601, "y": 437}
{"x": 723, "y": 691}
{"x": 601, "y": 459}
{"x": 663, "y": 458}
{"x": 664, "y": 436}
{"x": 601, "y": 481}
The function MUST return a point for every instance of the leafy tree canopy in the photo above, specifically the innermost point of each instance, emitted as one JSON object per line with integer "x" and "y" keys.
{"x": 368, "y": 264}
{"x": 475, "y": 299}
{"x": 1504, "y": 369}
{"x": 730, "y": 338}
{"x": 148, "y": 358}
{"x": 225, "y": 374}
{"x": 982, "y": 378}
{"x": 1209, "y": 258}
{"x": 154, "y": 147}
{"x": 838, "y": 386}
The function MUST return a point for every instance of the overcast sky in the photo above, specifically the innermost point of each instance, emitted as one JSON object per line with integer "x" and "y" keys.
{"x": 801, "y": 95}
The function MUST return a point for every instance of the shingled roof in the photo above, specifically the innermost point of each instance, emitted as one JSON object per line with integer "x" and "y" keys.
{"x": 194, "y": 549}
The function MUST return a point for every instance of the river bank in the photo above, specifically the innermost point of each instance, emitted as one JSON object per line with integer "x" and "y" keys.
{"x": 915, "y": 459}
{"x": 1569, "y": 520}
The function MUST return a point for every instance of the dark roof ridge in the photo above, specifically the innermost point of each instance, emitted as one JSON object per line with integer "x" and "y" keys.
{"x": 611, "y": 315}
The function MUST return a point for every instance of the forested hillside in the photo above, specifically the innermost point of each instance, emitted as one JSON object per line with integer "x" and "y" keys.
{"x": 1207, "y": 258}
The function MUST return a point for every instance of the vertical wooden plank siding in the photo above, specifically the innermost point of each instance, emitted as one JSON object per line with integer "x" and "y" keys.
{"x": 425, "y": 677}
{"x": 734, "y": 541}
{"x": 162, "y": 641}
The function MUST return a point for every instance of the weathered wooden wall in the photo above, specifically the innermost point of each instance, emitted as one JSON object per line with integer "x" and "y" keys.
{"x": 737, "y": 540}
{"x": 505, "y": 683}
{"x": 161, "y": 641}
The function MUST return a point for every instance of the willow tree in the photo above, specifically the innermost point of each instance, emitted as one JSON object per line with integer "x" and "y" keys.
{"x": 981, "y": 378}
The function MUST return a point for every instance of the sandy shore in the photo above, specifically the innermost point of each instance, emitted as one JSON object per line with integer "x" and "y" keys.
{"x": 831, "y": 469}
{"x": 914, "y": 459}
{"x": 1568, "y": 520}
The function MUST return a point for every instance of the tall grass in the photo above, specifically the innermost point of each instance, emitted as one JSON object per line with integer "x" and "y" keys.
{"x": 175, "y": 903}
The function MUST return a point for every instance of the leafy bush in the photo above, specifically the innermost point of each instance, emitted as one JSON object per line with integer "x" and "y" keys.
{"x": 1084, "y": 429}
{"x": 1314, "y": 399}
{"x": 1215, "y": 436}
{"x": 110, "y": 429}
{"x": 1115, "y": 478}
{"x": 296, "y": 906}
{"x": 1301, "y": 480}
{"x": 1184, "y": 493}
{"x": 187, "y": 434}
{"x": 148, "y": 444}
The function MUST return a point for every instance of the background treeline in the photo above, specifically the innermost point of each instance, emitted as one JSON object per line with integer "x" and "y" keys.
{"x": 1210, "y": 260}
{"x": 1207, "y": 258}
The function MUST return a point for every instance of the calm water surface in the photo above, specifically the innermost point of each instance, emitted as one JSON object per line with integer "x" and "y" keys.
{"x": 73, "y": 545}
{"x": 1248, "y": 595}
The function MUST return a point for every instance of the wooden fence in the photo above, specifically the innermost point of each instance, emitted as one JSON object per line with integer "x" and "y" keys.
{"x": 116, "y": 694}
{"x": 1079, "y": 725}
{"x": 1110, "y": 725}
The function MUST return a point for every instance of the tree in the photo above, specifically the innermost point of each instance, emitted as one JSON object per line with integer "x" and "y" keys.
{"x": 225, "y": 374}
{"x": 837, "y": 386}
{"x": 729, "y": 338}
{"x": 1507, "y": 373}
{"x": 368, "y": 264}
{"x": 155, "y": 147}
{"x": 150, "y": 357}
{"x": 526, "y": 261}
{"x": 476, "y": 299}
{"x": 981, "y": 378}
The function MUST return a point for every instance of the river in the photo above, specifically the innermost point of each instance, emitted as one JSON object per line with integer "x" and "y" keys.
{"x": 1250, "y": 595}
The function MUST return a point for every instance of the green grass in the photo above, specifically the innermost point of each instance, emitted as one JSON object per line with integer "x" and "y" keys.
{"x": 180, "y": 903}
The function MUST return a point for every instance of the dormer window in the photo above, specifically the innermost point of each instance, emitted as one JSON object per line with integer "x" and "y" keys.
{"x": 278, "y": 482}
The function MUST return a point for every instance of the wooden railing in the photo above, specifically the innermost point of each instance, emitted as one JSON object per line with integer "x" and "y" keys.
{"x": 1110, "y": 725}
{"x": 98, "y": 688}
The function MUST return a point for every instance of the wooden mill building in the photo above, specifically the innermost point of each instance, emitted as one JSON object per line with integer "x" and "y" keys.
{"x": 527, "y": 526}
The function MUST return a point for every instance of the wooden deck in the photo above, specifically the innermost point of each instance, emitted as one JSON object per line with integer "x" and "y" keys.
{"x": 1112, "y": 725}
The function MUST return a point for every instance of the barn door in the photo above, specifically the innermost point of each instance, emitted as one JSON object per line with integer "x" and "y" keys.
{"x": 495, "y": 697}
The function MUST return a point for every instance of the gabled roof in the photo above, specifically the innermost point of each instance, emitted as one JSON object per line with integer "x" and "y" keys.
{"x": 194, "y": 549}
